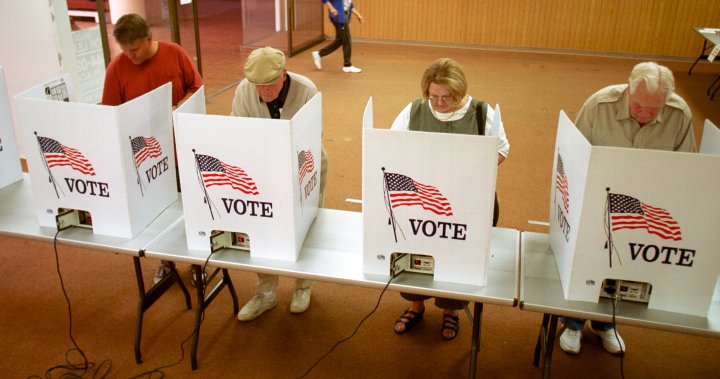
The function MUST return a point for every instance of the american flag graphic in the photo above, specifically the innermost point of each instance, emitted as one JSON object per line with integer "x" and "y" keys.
{"x": 402, "y": 190}
{"x": 627, "y": 212}
{"x": 216, "y": 173}
{"x": 144, "y": 148}
{"x": 561, "y": 184}
{"x": 306, "y": 163}
{"x": 57, "y": 154}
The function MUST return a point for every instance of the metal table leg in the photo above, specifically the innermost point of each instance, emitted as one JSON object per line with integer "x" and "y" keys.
{"x": 204, "y": 301}
{"x": 702, "y": 56}
{"x": 546, "y": 343}
{"x": 147, "y": 299}
{"x": 475, "y": 346}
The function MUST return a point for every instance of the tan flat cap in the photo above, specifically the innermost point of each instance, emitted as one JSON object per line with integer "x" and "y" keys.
{"x": 264, "y": 66}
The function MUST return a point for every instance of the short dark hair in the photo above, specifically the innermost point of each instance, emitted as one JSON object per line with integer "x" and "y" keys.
{"x": 131, "y": 27}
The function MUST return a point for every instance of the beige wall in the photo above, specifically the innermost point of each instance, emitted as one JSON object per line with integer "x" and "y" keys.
{"x": 645, "y": 27}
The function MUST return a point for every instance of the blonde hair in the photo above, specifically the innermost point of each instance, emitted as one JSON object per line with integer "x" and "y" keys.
{"x": 657, "y": 78}
{"x": 447, "y": 72}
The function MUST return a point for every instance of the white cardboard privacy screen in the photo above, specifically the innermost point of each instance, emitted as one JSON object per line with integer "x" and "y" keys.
{"x": 194, "y": 104}
{"x": 243, "y": 174}
{"x": 710, "y": 143}
{"x": 401, "y": 166}
{"x": 635, "y": 214}
{"x": 10, "y": 169}
{"x": 114, "y": 162}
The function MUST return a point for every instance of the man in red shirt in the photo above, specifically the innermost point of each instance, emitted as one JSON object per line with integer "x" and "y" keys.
{"x": 144, "y": 65}
{"x": 147, "y": 64}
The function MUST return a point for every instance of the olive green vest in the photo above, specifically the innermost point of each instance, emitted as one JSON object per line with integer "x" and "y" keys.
{"x": 422, "y": 119}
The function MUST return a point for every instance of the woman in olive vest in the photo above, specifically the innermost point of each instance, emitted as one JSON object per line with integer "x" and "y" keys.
{"x": 445, "y": 107}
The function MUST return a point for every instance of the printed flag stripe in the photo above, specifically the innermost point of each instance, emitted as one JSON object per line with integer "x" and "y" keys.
{"x": 57, "y": 154}
{"x": 630, "y": 213}
{"x": 561, "y": 184}
{"x": 403, "y": 191}
{"x": 217, "y": 173}
{"x": 145, "y": 148}
{"x": 306, "y": 163}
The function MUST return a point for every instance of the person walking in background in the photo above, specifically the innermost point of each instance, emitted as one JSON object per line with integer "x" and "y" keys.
{"x": 340, "y": 12}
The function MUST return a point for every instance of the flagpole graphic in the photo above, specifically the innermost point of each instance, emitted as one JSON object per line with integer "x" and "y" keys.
{"x": 206, "y": 198}
{"x": 51, "y": 178}
{"x": 136, "y": 164}
{"x": 388, "y": 205}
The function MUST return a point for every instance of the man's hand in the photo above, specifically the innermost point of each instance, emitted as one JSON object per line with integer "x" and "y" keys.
{"x": 359, "y": 16}
{"x": 332, "y": 10}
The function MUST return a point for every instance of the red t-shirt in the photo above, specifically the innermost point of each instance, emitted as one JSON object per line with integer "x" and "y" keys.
{"x": 125, "y": 80}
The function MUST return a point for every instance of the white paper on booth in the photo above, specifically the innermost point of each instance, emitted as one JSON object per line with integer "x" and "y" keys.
{"x": 570, "y": 170}
{"x": 306, "y": 159}
{"x": 148, "y": 154}
{"x": 74, "y": 159}
{"x": 430, "y": 194}
{"x": 368, "y": 115}
{"x": 651, "y": 216}
{"x": 194, "y": 104}
{"x": 231, "y": 181}
{"x": 710, "y": 139}
{"x": 10, "y": 168}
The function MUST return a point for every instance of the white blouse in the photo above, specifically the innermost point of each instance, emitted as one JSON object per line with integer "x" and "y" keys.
{"x": 492, "y": 127}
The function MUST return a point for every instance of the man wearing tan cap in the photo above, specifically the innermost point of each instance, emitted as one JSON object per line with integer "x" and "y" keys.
{"x": 270, "y": 91}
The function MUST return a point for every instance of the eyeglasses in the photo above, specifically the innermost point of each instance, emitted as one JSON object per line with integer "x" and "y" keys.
{"x": 444, "y": 99}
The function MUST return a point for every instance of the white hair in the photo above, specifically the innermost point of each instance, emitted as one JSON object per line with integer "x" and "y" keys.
{"x": 657, "y": 78}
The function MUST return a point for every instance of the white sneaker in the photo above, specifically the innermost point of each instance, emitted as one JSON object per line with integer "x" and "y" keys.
{"x": 160, "y": 272}
{"x": 611, "y": 343}
{"x": 255, "y": 307}
{"x": 570, "y": 341}
{"x": 316, "y": 59}
{"x": 300, "y": 301}
{"x": 351, "y": 69}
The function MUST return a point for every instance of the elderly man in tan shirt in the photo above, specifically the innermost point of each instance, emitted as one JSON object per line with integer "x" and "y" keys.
{"x": 271, "y": 91}
{"x": 644, "y": 114}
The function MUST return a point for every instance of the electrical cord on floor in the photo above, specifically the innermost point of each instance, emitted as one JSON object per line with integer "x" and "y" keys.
{"x": 622, "y": 348}
{"x": 355, "y": 331}
{"x": 71, "y": 367}
{"x": 614, "y": 298}
{"x": 149, "y": 374}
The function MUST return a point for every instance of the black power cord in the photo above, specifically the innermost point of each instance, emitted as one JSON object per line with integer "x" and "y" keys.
{"x": 149, "y": 374}
{"x": 354, "y": 332}
{"x": 71, "y": 367}
{"x": 614, "y": 298}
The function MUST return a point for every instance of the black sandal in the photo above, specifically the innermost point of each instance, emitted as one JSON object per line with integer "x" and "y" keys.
{"x": 408, "y": 322}
{"x": 450, "y": 322}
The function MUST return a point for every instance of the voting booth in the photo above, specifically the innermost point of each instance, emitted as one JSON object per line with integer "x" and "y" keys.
{"x": 428, "y": 202}
{"x": 111, "y": 166}
{"x": 636, "y": 215}
{"x": 251, "y": 184}
{"x": 10, "y": 169}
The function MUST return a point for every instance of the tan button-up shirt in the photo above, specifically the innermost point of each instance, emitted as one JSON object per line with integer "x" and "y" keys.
{"x": 605, "y": 120}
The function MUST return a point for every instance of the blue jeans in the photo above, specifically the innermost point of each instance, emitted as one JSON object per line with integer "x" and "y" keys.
{"x": 578, "y": 323}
